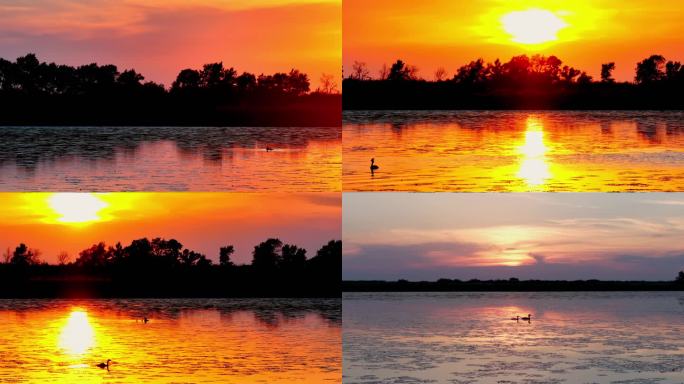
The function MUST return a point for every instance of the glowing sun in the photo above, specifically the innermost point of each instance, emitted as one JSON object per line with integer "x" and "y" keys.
{"x": 533, "y": 26}
{"x": 76, "y": 207}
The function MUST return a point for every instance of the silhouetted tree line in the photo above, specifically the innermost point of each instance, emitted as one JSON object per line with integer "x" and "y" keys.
{"x": 538, "y": 82}
{"x": 34, "y": 92}
{"x": 511, "y": 285}
{"x": 164, "y": 268}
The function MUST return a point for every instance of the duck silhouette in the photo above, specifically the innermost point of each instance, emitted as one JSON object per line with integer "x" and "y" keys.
{"x": 269, "y": 149}
{"x": 104, "y": 365}
{"x": 373, "y": 167}
{"x": 145, "y": 320}
{"x": 528, "y": 318}
{"x": 517, "y": 318}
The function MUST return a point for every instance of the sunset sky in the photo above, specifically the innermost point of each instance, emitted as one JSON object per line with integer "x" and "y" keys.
{"x": 56, "y": 222}
{"x": 526, "y": 235}
{"x": 444, "y": 33}
{"x": 158, "y": 38}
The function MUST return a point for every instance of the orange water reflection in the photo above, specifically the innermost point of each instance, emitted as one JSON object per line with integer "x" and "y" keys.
{"x": 77, "y": 335}
{"x": 103, "y": 159}
{"x": 202, "y": 341}
{"x": 514, "y": 151}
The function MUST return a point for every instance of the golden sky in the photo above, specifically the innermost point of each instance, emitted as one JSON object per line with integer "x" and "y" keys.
{"x": 159, "y": 38}
{"x": 71, "y": 222}
{"x": 444, "y": 33}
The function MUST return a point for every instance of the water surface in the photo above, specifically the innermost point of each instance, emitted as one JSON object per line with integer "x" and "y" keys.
{"x": 185, "y": 341}
{"x": 514, "y": 151}
{"x": 576, "y": 337}
{"x": 302, "y": 159}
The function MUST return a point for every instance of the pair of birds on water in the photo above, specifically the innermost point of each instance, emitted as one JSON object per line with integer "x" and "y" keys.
{"x": 527, "y": 318}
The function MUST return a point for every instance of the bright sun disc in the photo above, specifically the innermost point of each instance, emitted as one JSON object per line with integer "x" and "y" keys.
{"x": 76, "y": 207}
{"x": 77, "y": 334}
{"x": 533, "y": 26}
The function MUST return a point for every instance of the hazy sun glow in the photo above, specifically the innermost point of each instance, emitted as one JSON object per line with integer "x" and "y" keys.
{"x": 77, "y": 335}
{"x": 76, "y": 207}
{"x": 532, "y": 26}
{"x": 533, "y": 166}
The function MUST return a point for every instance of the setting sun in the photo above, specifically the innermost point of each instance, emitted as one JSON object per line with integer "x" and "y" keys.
{"x": 533, "y": 26}
{"x": 76, "y": 207}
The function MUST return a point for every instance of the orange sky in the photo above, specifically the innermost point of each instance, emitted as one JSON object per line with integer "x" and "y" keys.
{"x": 159, "y": 38}
{"x": 56, "y": 222}
{"x": 444, "y": 33}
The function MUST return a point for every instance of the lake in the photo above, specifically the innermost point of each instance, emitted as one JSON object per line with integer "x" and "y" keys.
{"x": 105, "y": 159}
{"x": 185, "y": 341}
{"x": 513, "y": 151}
{"x": 573, "y": 337}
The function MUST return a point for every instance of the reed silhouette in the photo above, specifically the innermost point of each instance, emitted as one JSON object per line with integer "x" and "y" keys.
{"x": 34, "y": 92}
{"x": 164, "y": 268}
{"x": 536, "y": 82}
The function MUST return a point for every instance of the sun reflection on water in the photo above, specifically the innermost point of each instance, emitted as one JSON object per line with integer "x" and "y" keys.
{"x": 77, "y": 335}
{"x": 534, "y": 167}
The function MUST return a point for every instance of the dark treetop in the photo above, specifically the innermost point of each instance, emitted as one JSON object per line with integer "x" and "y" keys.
{"x": 164, "y": 268}
{"x": 38, "y": 93}
{"x": 536, "y": 82}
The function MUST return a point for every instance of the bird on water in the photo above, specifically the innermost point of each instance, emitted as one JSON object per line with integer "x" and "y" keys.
{"x": 104, "y": 365}
{"x": 373, "y": 167}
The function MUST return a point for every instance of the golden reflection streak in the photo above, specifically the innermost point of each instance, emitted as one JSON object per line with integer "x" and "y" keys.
{"x": 534, "y": 167}
{"x": 77, "y": 335}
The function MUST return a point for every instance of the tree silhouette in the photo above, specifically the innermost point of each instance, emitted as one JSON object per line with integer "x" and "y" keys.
{"x": 359, "y": 71}
{"x": 293, "y": 257}
{"x": 328, "y": 84}
{"x": 471, "y": 73}
{"x": 149, "y": 268}
{"x": 680, "y": 277}
{"x": 607, "y": 72}
{"x": 401, "y": 71}
{"x": 186, "y": 79}
{"x": 63, "y": 258}
{"x": 536, "y": 82}
{"x": 130, "y": 79}
{"x": 650, "y": 69}
{"x": 24, "y": 256}
{"x": 97, "y": 256}
{"x": 224, "y": 255}
{"x": 384, "y": 72}
{"x": 266, "y": 255}
{"x": 674, "y": 71}
{"x": 440, "y": 74}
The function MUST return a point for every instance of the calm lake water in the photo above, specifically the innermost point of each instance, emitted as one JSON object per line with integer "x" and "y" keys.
{"x": 513, "y": 151}
{"x": 170, "y": 158}
{"x": 623, "y": 337}
{"x": 186, "y": 341}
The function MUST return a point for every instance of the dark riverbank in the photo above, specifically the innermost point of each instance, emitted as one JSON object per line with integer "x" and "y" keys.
{"x": 315, "y": 110}
{"x": 511, "y": 285}
{"x": 212, "y": 282}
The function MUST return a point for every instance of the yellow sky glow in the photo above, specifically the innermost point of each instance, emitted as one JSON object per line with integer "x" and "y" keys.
{"x": 442, "y": 33}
